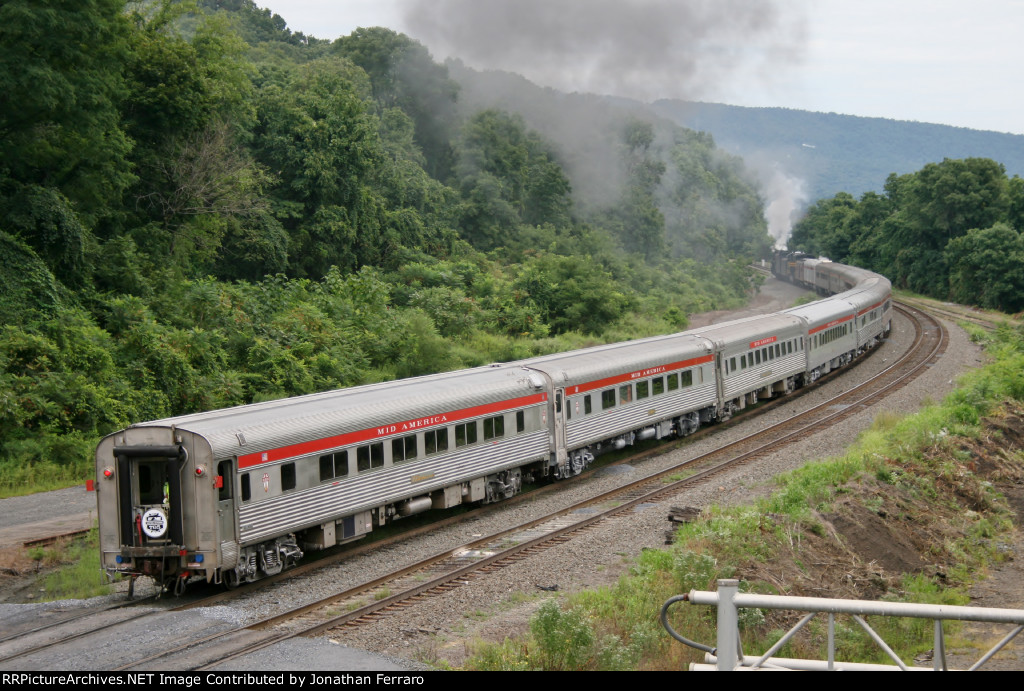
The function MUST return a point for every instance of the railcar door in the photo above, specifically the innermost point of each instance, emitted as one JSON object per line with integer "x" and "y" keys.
{"x": 227, "y": 515}
{"x": 150, "y": 501}
{"x": 560, "y": 406}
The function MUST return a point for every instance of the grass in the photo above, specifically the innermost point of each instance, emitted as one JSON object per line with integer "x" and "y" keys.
{"x": 78, "y": 574}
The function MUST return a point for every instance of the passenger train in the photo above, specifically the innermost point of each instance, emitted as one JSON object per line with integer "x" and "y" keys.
{"x": 237, "y": 494}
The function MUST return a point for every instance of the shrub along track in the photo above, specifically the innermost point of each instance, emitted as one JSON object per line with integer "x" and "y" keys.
{"x": 451, "y": 569}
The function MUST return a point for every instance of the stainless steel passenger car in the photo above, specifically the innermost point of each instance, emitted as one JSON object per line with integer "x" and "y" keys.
{"x": 619, "y": 393}
{"x": 756, "y": 357}
{"x": 239, "y": 493}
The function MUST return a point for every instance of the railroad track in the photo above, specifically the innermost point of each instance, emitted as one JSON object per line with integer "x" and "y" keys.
{"x": 454, "y": 568}
{"x": 961, "y": 313}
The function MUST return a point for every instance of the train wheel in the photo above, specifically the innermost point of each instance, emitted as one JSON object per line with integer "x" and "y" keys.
{"x": 231, "y": 580}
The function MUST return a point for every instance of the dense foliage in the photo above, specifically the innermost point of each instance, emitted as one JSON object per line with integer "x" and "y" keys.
{"x": 951, "y": 230}
{"x": 201, "y": 208}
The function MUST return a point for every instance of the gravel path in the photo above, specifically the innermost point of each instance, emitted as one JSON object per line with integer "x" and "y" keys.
{"x": 501, "y": 604}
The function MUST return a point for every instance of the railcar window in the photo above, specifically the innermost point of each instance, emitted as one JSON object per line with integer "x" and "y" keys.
{"x": 607, "y": 399}
{"x": 626, "y": 393}
{"x": 436, "y": 440}
{"x": 673, "y": 381}
{"x": 687, "y": 378}
{"x": 521, "y": 420}
{"x": 403, "y": 449}
{"x": 778, "y": 350}
{"x": 642, "y": 389}
{"x": 465, "y": 434}
{"x": 246, "y": 492}
{"x": 370, "y": 456}
{"x": 757, "y": 357}
{"x": 587, "y": 405}
{"x": 494, "y": 427}
{"x": 334, "y": 465}
{"x": 224, "y": 471}
{"x": 658, "y": 386}
{"x": 288, "y": 476}
{"x": 151, "y": 491}
{"x": 732, "y": 364}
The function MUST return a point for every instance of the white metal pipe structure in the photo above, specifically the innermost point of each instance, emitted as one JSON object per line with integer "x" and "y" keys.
{"x": 729, "y": 601}
{"x": 775, "y": 663}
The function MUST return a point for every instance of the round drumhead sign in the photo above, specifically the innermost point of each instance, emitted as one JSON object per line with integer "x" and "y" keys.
{"x": 154, "y": 523}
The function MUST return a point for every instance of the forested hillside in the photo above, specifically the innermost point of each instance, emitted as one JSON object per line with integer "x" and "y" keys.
{"x": 201, "y": 208}
{"x": 952, "y": 230}
{"x": 831, "y": 153}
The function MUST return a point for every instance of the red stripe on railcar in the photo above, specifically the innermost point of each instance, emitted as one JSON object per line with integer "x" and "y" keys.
{"x": 834, "y": 322}
{"x": 868, "y": 309}
{"x": 638, "y": 374}
{"x": 340, "y": 440}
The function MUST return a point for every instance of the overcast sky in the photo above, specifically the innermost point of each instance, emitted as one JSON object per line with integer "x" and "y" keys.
{"x": 942, "y": 61}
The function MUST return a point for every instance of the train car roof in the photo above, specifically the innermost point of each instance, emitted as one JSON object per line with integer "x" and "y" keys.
{"x": 823, "y": 311}
{"x": 273, "y": 424}
{"x": 868, "y": 293}
{"x": 640, "y": 357}
{"x": 738, "y": 331}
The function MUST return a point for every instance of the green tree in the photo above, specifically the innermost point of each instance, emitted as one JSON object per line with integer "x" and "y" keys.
{"x": 986, "y": 268}
{"x": 63, "y": 153}
{"x": 508, "y": 177}
{"x": 823, "y": 229}
{"x": 572, "y": 293}
{"x": 316, "y": 136}
{"x": 404, "y": 76}
{"x": 61, "y": 86}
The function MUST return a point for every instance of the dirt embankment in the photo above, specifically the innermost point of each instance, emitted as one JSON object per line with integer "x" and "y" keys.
{"x": 904, "y": 520}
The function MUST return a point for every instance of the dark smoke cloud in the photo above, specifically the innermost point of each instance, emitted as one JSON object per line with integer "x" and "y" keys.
{"x": 643, "y": 49}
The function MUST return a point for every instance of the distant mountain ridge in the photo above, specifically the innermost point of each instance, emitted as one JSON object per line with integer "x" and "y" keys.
{"x": 839, "y": 153}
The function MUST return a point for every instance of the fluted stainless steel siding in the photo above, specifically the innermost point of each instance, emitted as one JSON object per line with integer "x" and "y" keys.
{"x": 609, "y": 423}
{"x": 291, "y": 511}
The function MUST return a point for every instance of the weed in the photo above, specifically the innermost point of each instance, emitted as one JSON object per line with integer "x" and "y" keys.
{"x": 79, "y": 575}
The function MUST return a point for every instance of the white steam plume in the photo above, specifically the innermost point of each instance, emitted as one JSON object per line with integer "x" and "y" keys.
{"x": 642, "y": 49}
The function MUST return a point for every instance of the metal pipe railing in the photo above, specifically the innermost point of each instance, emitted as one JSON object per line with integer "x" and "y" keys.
{"x": 728, "y": 655}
